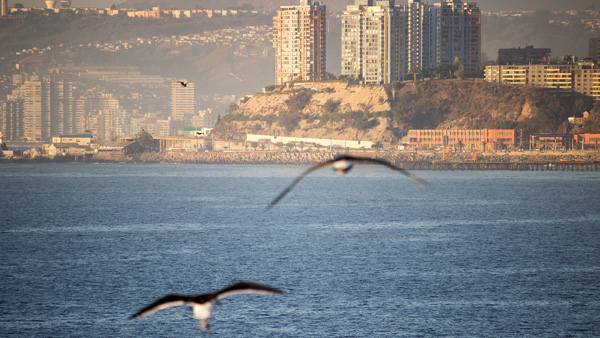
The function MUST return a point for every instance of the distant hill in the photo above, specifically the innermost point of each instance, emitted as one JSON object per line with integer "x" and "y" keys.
{"x": 339, "y": 5}
{"x": 219, "y": 70}
{"x": 266, "y": 5}
{"x": 381, "y": 113}
{"x": 488, "y": 5}
{"x": 214, "y": 69}
{"x": 542, "y": 29}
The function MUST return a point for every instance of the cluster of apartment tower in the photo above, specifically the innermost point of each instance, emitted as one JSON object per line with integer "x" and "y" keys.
{"x": 381, "y": 42}
{"x": 45, "y": 106}
{"x": 41, "y": 107}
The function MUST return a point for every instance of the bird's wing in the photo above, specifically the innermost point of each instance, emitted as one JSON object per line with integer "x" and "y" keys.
{"x": 298, "y": 179}
{"x": 386, "y": 163}
{"x": 161, "y": 304}
{"x": 246, "y": 287}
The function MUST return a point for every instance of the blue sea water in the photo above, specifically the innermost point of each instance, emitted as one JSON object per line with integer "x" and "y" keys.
{"x": 368, "y": 254}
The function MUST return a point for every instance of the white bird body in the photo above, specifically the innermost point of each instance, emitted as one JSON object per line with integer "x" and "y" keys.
{"x": 342, "y": 166}
{"x": 202, "y": 311}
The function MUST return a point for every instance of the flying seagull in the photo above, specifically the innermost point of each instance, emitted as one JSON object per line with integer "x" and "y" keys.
{"x": 183, "y": 83}
{"x": 343, "y": 164}
{"x": 202, "y": 304}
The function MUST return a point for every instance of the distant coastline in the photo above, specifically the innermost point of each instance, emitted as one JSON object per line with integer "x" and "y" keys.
{"x": 581, "y": 160}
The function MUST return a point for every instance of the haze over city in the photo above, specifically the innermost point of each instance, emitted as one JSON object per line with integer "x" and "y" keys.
{"x": 492, "y": 5}
{"x": 171, "y": 68}
{"x": 340, "y": 168}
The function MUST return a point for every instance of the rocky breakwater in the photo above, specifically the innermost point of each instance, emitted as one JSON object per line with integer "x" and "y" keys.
{"x": 258, "y": 157}
{"x": 407, "y": 160}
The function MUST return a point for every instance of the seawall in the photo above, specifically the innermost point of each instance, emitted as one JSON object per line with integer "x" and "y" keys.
{"x": 579, "y": 161}
{"x": 576, "y": 161}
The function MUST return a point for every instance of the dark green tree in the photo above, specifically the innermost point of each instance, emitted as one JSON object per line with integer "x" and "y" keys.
{"x": 415, "y": 72}
{"x": 233, "y": 107}
{"x": 145, "y": 139}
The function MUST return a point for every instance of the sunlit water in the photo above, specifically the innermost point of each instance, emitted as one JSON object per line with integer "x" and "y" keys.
{"x": 369, "y": 254}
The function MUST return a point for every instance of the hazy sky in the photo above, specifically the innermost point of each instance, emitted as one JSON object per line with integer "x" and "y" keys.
{"x": 483, "y": 4}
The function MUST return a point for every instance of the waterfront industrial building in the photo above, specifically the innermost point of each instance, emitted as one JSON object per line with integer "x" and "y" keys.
{"x": 326, "y": 143}
{"x": 462, "y": 139}
{"x": 80, "y": 139}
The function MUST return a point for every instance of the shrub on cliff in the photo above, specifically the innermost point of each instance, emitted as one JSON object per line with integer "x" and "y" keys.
{"x": 331, "y": 105}
{"x": 288, "y": 119}
{"x": 271, "y": 88}
{"x": 360, "y": 119}
{"x": 298, "y": 101}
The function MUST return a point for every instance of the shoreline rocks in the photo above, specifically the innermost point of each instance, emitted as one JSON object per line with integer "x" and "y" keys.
{"x": 417, "y": 160}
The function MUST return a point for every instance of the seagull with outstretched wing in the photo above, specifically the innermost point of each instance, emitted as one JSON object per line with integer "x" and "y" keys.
{"x": 343, "y": 164}
{"x": 202, "y": 304}
{"x": 183, "y": 83}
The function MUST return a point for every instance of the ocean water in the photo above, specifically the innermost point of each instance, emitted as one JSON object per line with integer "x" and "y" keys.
{"x": 368, "y": 254}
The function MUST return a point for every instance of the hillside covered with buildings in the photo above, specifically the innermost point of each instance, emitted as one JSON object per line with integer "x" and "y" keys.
{"x": 114, "y": 72}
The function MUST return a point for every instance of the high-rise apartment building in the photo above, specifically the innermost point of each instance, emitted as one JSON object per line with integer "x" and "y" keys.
{"x": 182, "y": 100}
{"x": 352, "y": 31}
{"x": 372, "y": 42}
{"x": 418, "y": 40}
{"x": 3, "y": 8}
{"x": 455, "y": 29}
{"x": 31, "y": 91}
{"x": 595, "y": 49}
{"x": 382, "y": 43}
{"x": 12, "y": 112}
{"x": 61, "y": 104}
{"x": 99, "y": 115}
{"x": 299, "y": 40}
{"x": 47, "y": 108}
